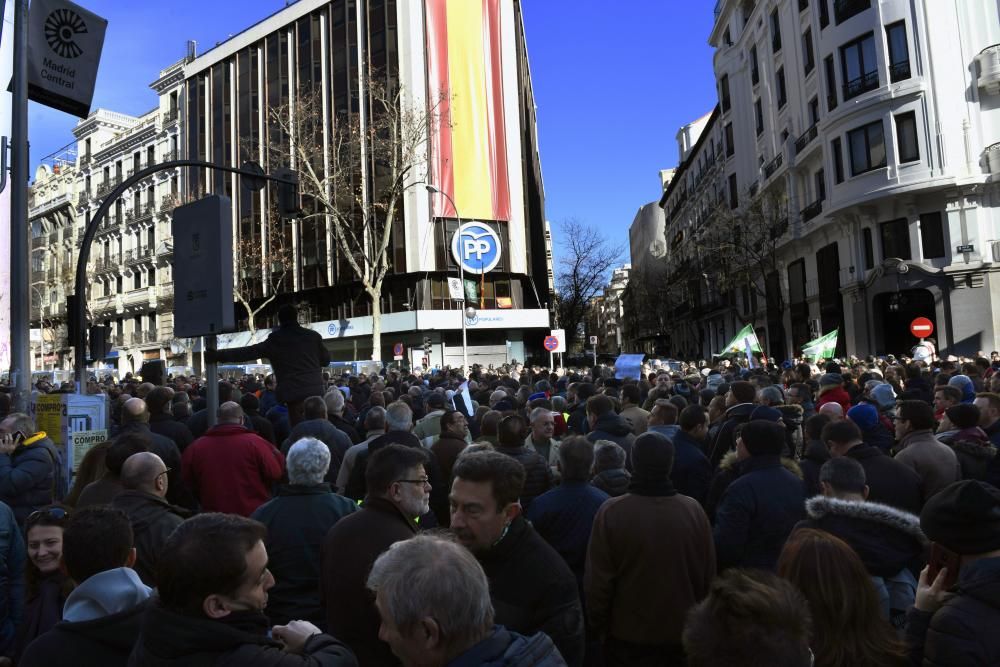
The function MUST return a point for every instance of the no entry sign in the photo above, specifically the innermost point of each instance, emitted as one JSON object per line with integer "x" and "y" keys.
{"x": 921, "y": 327}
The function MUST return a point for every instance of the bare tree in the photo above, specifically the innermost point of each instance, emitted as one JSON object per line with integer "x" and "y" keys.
{"x": 586, "y": 261}
{"x": 353, "y": 173}
{"x": 263, "y": 264}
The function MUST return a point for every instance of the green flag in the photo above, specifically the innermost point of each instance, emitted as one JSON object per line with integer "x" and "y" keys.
{"x": 823, "y": 347}
{"x": 746, "y": 338}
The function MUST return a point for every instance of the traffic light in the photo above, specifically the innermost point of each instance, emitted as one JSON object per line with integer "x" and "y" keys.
{"x": 289, "y": 197}
{"x": 100, "y": 346}
{"x": 427, "y": 345}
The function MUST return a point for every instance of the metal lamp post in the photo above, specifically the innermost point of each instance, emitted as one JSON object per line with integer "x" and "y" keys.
{"x": 461, "y": 277}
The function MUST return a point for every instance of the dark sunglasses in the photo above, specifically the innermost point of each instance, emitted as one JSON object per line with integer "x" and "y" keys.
{"x": 54, "y": 513}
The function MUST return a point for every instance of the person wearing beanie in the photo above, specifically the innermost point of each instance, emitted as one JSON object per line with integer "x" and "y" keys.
{"x": 918, "y": 449}
{"x": 759, "y": 509}
{"x": 959, "y": 626}
{"x": 831, "y": 390}
{"x": 873, "y": 432}
{"x": 965, "y": 385}
{"x": 634, "y": 600}
{"x": 960, "y": 431}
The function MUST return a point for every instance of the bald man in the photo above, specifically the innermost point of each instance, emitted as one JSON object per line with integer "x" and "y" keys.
{"x": 231, "y": 469}
{"x": 135, "y": 419}
{"x": 832, "y": 410}
{"x": 153, "y": 519}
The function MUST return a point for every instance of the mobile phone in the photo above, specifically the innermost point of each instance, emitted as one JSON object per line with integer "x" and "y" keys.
{"x": 943, "y": 558}
{"x": 18, "y": 437}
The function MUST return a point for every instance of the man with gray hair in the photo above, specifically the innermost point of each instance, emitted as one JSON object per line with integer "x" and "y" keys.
{"x": 317, "y": 425}
{"x": 374, "y": 427}
{"x": 335, "y": 413}
{"x": 144, "y": 476}
{"x": 433, "y": 600}
{"x": 541, "y": 437}
{"x": 297, "y": 520}
{"x": 231, "y": 468}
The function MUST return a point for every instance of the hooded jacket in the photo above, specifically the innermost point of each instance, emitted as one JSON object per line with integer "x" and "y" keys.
{"x": 31, "y": 476}
{"x": 974, "y": 451}
{"x": 616, "y": 429}
{"x": 100, "y": 623}
{"x": 504, "y": 648}
{"x": 152, "y": 519}
{"x": 964, "y": 630}
{"x": 836, "y": 394}
{"x": 613, "y": 482}
{"x": 725, "y": 438}
{"x": 730, "y": 468}
{"x": 171, "y": 639}
{"x": 885, "y": 538}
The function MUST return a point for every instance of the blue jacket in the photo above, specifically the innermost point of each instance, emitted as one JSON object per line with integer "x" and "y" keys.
{"x": 757, "y": 514}
{"x": 692, "y": 473}
{"x": 564, "y": 517}
{"x": 31, "y": 476}
{"x": 12, "y": 560}
{"x": 503, "y": 648}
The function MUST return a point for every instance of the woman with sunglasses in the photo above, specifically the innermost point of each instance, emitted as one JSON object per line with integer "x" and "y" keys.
{"x": 47, "y": 585}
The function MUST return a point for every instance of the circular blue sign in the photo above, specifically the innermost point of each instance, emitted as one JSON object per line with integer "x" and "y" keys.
{"x": 476, "y": 247}
{"x": 550, "y": 343}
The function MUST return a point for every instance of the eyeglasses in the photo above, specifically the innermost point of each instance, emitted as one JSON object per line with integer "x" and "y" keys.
{"x": 162, "y": 474}
{"x": 54, "y": 513}
{"x": 424, "y": 481}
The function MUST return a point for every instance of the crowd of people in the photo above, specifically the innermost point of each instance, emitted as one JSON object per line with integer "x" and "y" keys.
{"x": 845, "y": 513}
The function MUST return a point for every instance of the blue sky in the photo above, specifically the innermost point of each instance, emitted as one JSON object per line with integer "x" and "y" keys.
{"x": 613, "y": 82}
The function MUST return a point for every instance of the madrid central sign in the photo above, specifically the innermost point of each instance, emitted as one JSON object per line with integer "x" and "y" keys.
{"x": 476, "y": 247}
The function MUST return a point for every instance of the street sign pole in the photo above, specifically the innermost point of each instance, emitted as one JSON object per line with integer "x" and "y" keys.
{"x": 20, "y": 308}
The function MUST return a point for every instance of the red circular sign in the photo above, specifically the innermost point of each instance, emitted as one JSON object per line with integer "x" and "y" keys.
{"x": 550, "y": 343}
{"x": 921, "y": 327}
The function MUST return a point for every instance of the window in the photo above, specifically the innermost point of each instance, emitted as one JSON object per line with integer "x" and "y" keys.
{"x": 895, "y": 239}
{"x": 775, "y": 32}
{"x": 906, "y": 137}
{"x": 860, "y": 67}
{"x": 814, "y": 111}
{"x": 824, "y": 14}
{"x": 867, "y": 144}
{"x": 869, "y": 246}
{"x": 754, "y": 67}
{"x": 899, "y": 53}
{"x": 845, "y": 9}
{"x": 727, "y": 38}
{"x": 724, "y": 92}
{"x": 932, "y": 235}
{"x": 807, "y": 51}
{"x": 734, "y": 195}
{"x": 758, "y": 113}
{"x": 780, "y": 82}
{"x": 151, "y": 155}
{"x": 819, "y": 179}
{"x": 831, "y": 84}
{"x": 838, "y": 161}
{"x": 730, "y": 143}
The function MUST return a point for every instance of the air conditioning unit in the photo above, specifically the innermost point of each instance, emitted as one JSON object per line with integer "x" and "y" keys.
{"x": 815, "y": 328}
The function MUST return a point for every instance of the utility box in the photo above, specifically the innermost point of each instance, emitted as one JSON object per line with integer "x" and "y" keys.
{"x": 203, "y": 268}
{"x": 73, "y": 422}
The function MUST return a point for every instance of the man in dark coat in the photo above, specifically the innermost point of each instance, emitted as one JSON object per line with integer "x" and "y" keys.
{"x": 102, "y": 615}
{"x": 538, "y": 477}
{"x": 297, "y": 520}
{"x": 604, "y": 424}
{"x": 31, "y": 468}
{"x": 297, "y": 355}
{"x": 759, "y": 509}
{"x": 160, "y": 403}
{"x": 889, "y": 481}
{"x": 532, "y": 588}
{"x": 959, "y": 626}
{"x": 316, "y": 425}
{"x": 261, "y": 425}
{"x": 398, "y": 492}
{"x": 633, "y": 601}
{"x": 691, "y": 473}
{"x": 212, "y": 585}
{"x": 739, "y": 406}
{"x": 135, "y": 419}
{"x": 144, "y": 477}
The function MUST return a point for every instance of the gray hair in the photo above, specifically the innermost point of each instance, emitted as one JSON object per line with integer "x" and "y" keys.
{"x": 308, "y": 461}
{"x": 559, "y": 403}
{"x": 398, "y": 417}
{"x": 19, "y": 421}
{"x": 375, "y": 418}
{"x": 538, "y": 412}
{"x": 497, "y": 396}
{"x": 431, "y": 575}
{"x": 334, "y": 401}
{"x": 772, "y": 395}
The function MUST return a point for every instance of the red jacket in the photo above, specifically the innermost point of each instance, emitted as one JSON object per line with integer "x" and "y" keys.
{"x": 231, "y": 469}
{"x": 835, "y": 395}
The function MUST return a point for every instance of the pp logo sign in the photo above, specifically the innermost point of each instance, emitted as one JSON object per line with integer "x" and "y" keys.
{"x": 476, "y": 247}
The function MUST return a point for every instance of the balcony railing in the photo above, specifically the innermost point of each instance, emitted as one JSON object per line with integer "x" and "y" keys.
{"x": 864, "y": 83}
{"x": 812, "y": 210}
{"x": 773, "y": 165}
{"x": 38, "y": 276}
{"x": 170, "y": 117}
{"x": 899, "y": 71}
{"x": 108, "y": 185}
{"x": 83, "y": 198}
{"x": 86, "y": 159}
{"x": 806, "y": 138}
{"x": 168, "y": 203}
{"x": 845, "y": 9}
